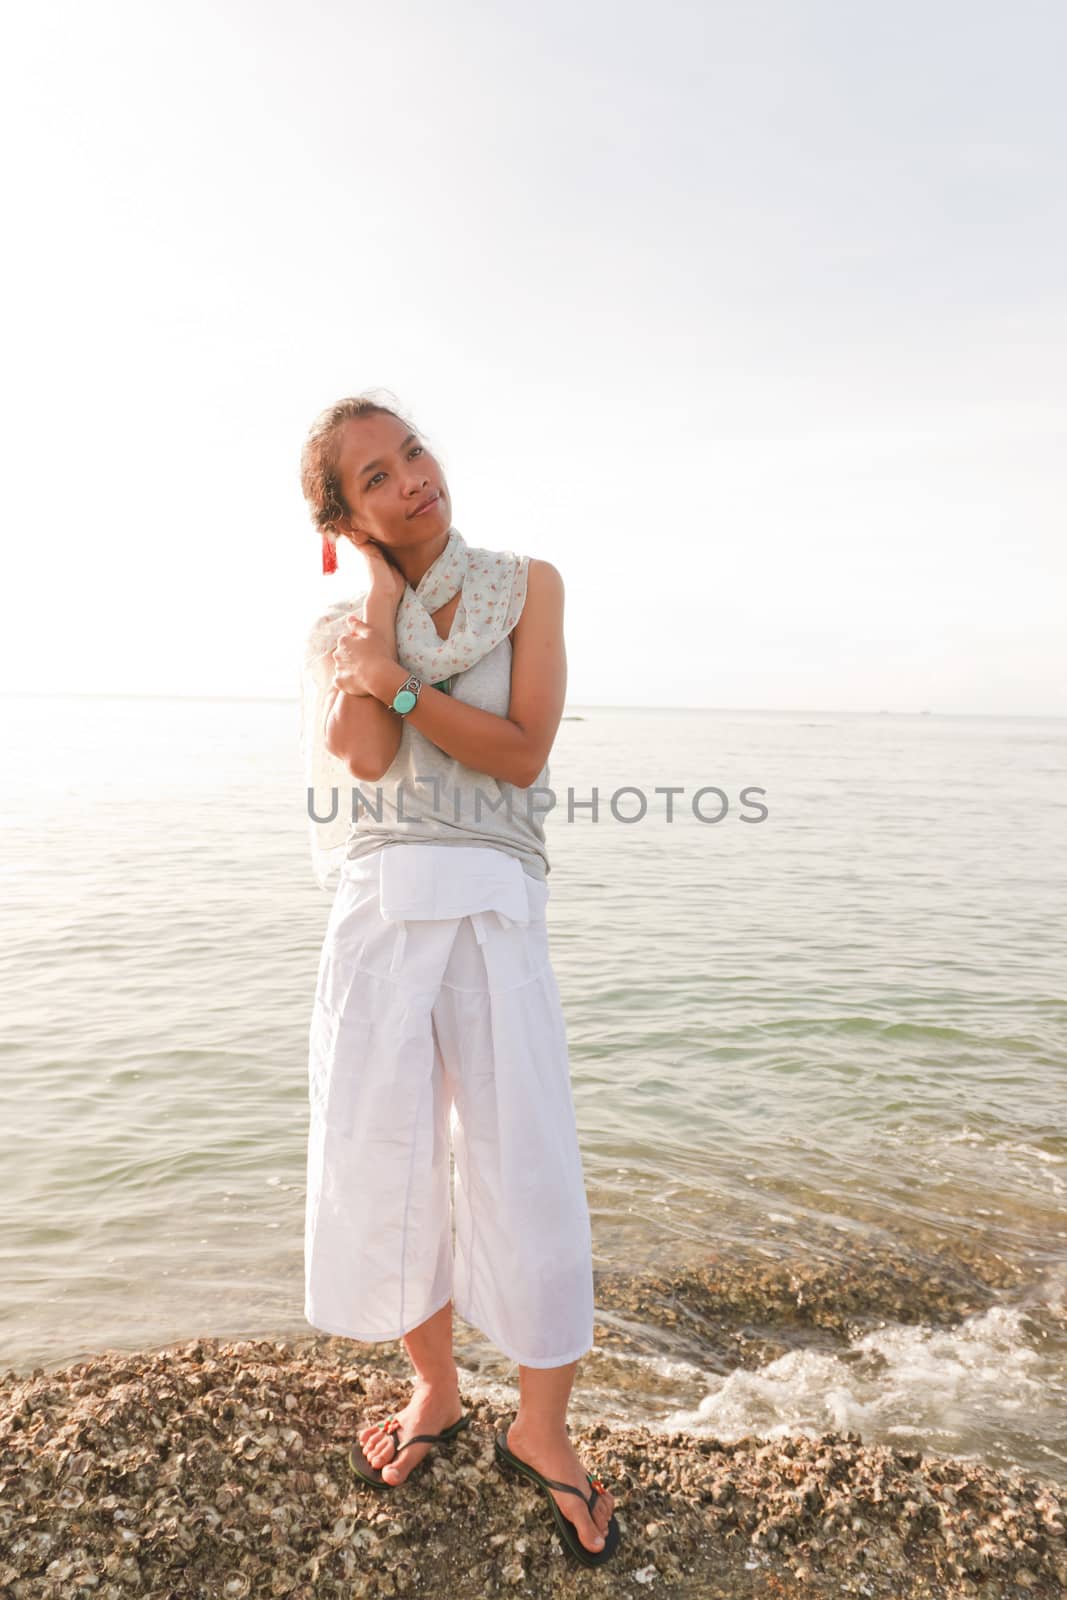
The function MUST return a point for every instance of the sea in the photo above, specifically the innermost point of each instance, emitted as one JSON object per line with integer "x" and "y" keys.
{"x": 814, "y": 973}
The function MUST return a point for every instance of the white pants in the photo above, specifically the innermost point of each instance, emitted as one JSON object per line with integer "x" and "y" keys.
{"x": 437, "y": 1007}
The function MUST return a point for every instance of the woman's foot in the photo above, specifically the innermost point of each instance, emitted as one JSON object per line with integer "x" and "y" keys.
{"x": 555, "y": 1457}
{"x": 430, "y": 1410}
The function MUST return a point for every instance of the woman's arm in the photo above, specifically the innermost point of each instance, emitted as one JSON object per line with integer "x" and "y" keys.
{"x": 512, "y": 749}
{"x": 360, "y": 730}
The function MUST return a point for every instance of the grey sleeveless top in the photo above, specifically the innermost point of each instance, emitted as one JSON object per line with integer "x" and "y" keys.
{"x": 429, "y": 796}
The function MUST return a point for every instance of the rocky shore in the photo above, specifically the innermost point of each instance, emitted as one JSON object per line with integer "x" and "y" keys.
{"x": 214, "y": 1469}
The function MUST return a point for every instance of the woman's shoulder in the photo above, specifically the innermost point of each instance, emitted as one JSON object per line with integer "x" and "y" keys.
{"x": 543, "y": 573}
{"x": 480, "y": 557}
{"x": 544, "y": 585}
{"x": 542, "y": 601}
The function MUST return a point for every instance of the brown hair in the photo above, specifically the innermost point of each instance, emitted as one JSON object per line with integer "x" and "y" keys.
{"x": 320, "y": 478}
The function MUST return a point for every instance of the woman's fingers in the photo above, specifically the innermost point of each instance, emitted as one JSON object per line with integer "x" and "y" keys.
{"x": 356, "y": 632}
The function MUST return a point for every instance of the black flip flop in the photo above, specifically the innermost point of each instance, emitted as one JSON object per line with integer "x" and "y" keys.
{"x": 567, "y": 1531}
{"x": 372, "y": 1475}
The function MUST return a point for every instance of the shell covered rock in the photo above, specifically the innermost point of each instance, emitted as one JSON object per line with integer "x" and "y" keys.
{"x": 217, "y": 1469}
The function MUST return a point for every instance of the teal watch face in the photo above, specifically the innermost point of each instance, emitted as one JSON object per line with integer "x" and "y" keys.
{"x": 404, "y": 700}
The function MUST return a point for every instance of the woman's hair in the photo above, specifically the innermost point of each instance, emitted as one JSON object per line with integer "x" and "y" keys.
{"x": 320, "y": 478}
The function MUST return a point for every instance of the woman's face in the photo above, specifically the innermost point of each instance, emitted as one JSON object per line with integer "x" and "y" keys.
{"x": 387, "y": 473}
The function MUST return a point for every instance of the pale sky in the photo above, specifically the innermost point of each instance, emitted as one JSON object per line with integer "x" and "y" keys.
{"x": 750, "y": 317}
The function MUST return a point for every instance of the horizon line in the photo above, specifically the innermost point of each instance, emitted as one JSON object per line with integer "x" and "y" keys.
{"x": 294, "y": 700}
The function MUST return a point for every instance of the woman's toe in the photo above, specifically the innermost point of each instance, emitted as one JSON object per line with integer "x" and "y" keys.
{"x": 602, "y": 1512}
{"x": 590, "y": 1533}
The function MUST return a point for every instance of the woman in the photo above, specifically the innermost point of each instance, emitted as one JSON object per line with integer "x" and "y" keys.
{"x": 436, "y": 1002}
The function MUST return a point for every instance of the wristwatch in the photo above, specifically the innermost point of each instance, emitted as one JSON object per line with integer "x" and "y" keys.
{"x": 407, "y": 695}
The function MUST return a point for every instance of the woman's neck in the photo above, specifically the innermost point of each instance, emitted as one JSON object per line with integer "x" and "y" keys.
{"x": 416, "y": 560}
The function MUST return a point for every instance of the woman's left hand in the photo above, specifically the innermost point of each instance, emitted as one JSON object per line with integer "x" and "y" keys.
{"x": 359, "y": 652}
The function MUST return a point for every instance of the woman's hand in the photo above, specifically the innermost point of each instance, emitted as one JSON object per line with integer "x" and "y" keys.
{"x": 387, "y": 582}
{"x": 359, "y": 651}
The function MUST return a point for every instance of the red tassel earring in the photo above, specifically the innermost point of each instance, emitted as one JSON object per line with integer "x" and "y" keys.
{"x": 329, "y": 554}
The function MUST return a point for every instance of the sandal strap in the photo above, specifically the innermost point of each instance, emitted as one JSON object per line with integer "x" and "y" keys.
{"x": 554, "y": 1483}
{"x": 428, "y": 1438}
{"x": 589, "y": 1499}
